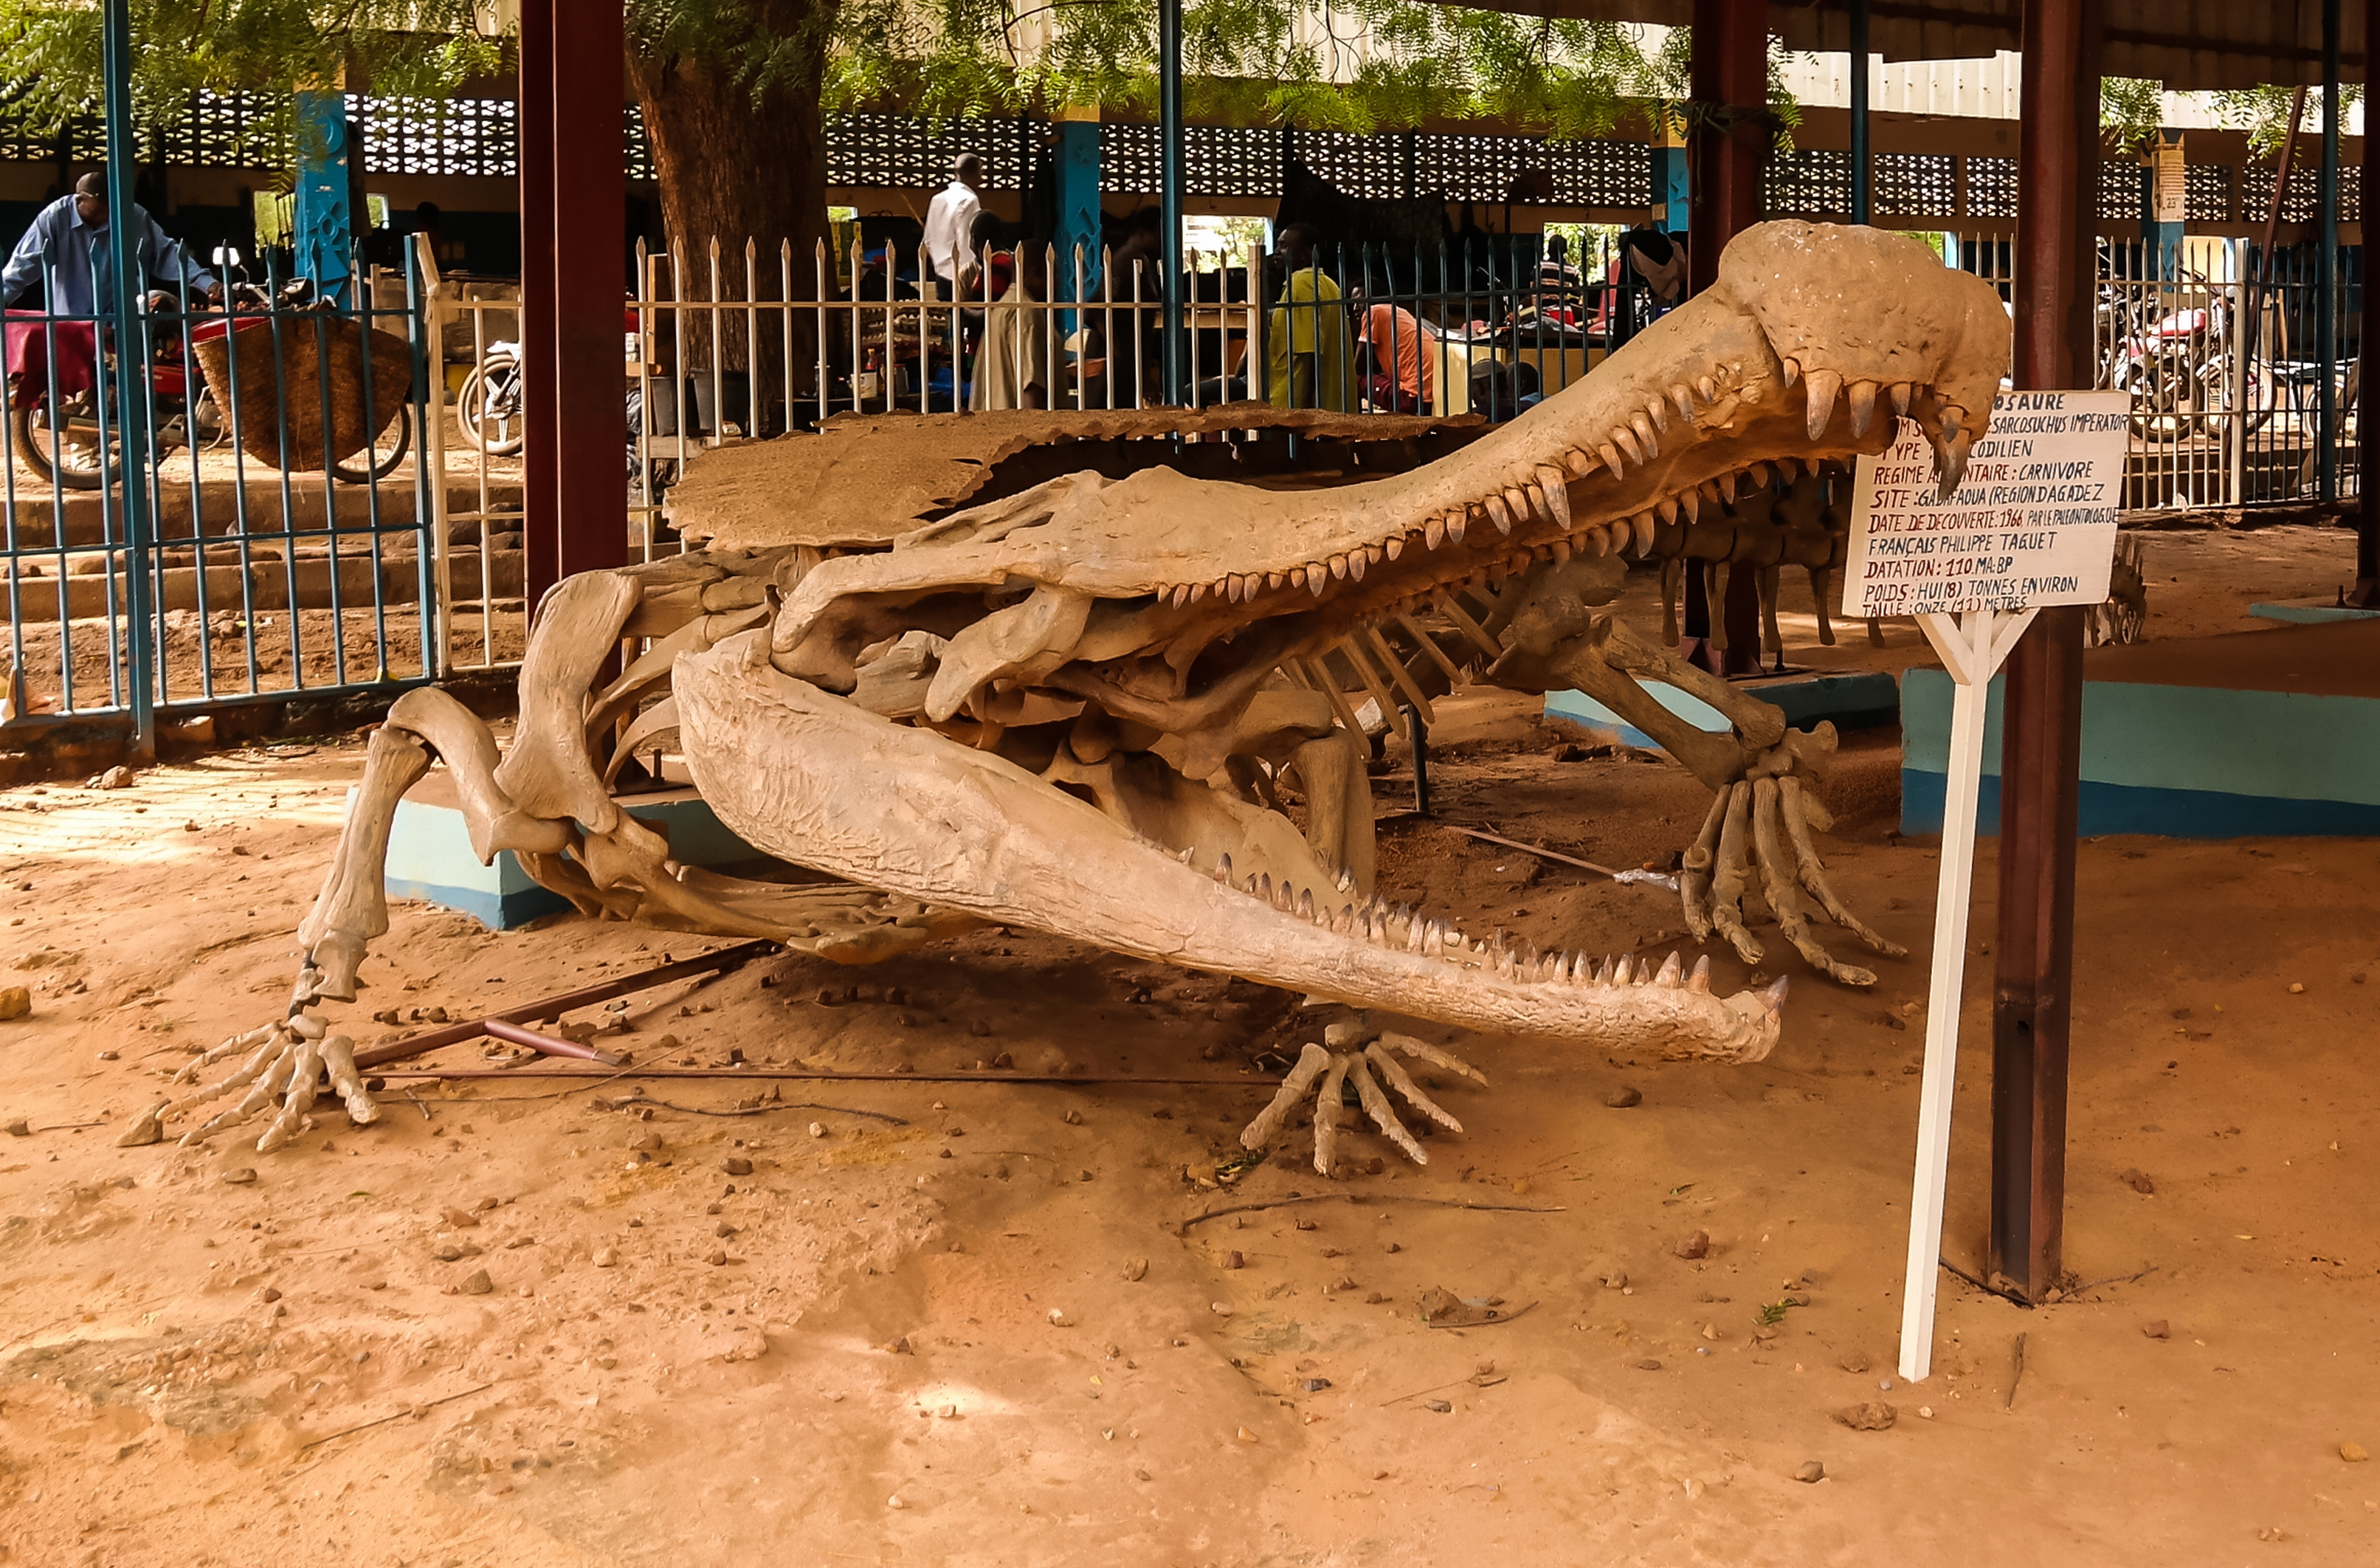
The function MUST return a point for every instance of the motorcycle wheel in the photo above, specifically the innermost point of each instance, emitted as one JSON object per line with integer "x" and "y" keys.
{"x": 487, "y": 412}
{"x": 70, "y": 465}
{"x": 387, "y": 450}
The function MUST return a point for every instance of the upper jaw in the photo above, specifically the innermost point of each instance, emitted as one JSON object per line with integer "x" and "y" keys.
{"x": 1813, "y": 339}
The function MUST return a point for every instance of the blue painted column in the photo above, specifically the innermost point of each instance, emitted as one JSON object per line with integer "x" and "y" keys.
{"x": 2163, "y": 203}
{"x": 1672, "y": 184}
{"x": 130, "y": 411}
{"x": 1078, "y": 200}
{"x": 325, "y": 228}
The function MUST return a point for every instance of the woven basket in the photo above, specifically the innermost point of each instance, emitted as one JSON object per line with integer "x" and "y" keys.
{"x": 310, "y": 346}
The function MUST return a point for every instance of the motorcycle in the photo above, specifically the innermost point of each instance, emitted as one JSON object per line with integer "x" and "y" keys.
{"x": 2181, "y": 368}
{"x": 54, "y": 420}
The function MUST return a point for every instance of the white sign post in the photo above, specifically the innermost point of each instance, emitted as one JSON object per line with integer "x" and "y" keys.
{"x": 2032, "y": 524}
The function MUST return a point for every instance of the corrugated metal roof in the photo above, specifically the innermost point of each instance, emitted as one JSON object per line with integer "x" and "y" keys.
{"x": 2188, "y": 45}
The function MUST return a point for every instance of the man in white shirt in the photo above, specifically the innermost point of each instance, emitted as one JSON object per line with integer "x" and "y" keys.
{"x": 950, "y": 218}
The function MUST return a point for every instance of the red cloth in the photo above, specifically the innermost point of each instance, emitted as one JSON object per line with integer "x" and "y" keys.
{"x": 29, "y": 335}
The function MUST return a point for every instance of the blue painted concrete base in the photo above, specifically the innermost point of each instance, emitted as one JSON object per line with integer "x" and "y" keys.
{"x": 2106, "y": 809}
{"x": 2253, "y": 733}
{"x": 1863, "y": 700}
{"x": 2301, "y": 612}
{"x": 430, "y": 854}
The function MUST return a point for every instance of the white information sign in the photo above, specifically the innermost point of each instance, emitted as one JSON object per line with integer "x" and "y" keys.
{"x": 2031, "y": 524}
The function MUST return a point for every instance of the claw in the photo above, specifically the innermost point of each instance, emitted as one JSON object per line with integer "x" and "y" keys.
{"x": 1773, "y": 997}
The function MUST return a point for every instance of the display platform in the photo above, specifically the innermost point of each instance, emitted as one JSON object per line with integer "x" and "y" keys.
{"x": 429, "y": 852}
{"x": 2250, "y": 733}
{"x": 1864, "y": 699}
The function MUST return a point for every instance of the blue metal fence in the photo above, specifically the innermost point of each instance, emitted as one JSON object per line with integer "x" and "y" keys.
{"x": 207, "y": 505}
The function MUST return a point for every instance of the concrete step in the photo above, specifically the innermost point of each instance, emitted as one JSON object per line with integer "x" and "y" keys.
{"x": 216, "y": 504}
{"x": 269, "y": 584}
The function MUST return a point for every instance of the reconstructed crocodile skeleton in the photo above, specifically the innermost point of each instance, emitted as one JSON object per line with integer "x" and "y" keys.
{"x": 1076, "y": 707}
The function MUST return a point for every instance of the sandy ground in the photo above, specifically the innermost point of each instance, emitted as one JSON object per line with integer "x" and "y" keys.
{"x": 938, "y": 1293}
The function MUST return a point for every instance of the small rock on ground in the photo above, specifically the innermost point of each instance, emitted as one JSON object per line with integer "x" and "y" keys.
{"x": 1695, "y": 1245}
{"x": 1810, "y": 1470}
{"x": 1873, "y": 1416}
{"x": 1623, "y": 1097}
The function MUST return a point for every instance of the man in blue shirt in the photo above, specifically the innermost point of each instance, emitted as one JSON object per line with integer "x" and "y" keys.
{"x": 73, "y": 233}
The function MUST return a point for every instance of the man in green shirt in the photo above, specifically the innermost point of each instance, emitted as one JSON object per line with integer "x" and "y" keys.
{"x": 1311, "y": 363}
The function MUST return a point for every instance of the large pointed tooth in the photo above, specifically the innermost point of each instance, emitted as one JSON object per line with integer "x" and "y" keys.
{"x": 1602, "y": 970}
{"x": 1555, "y": 492}
{"x": 1708, "y": 388}
{"x": 1862, "y": 401}
{"x": 1621, "y": 973}
{"x": 1394, "y": 547}
{"x": 1305, "y": 905}
{"x": 1700, "y": 980}
{"x": 1197, "y": 591}
{"x": 1223, "y": 870}
{"x": 1274, "y": 580}
{"x": 1282, "y": 901}
{"x": 1642, "y": 522}
{"x": 1727, "y": 488}
{"x": 1416, "y": 936}
{"x": 1180, "y": 594}
{"x": 1497, "y": 514}
{"x": 1611, "y": 456}
{"x": 1433, "y": 941}
{"x": 1627, "y": 442}
{"x": 1684, "y": 399}
{"x": 1644, "y": 428}
{"x": 1297, "y": 576}
{"x": 1338, "y": 566}
{"x": 1356, "y": 560}
{"x": 1596, "y": 541}
{"x": 1788, "y": 470}
{"x": 1658, "y": 410}
{"x": 1901, "y": 397}
{"x": 1264, "y": 886}
{"x": 1433, "y": 532}
{"x": 1666, "y": 510}
{"x": 1823, "y": 388}
{"x": 1793, "y": 370}
{"x": 1560, "y": 548}
{"x": 1317, "y": 578}
{"x": 1343, "y": 921}
{"x": 1758, "y": 474}
{"x": 1773, "y": 997}
{"x": 1456, "y": 523}
{"x": 1671, "y": 967}
{"x": 1346, "y": 879}
{"x": 1693, "y": 501}
{"x": 1952, "y": 463}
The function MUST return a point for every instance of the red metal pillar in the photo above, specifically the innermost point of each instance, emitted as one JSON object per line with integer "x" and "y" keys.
{"x": 1727, "y": 137}
{"x": 2042, "y": 729}
{"x": 2366, "y": 593}
{"x": 574, "y": 228}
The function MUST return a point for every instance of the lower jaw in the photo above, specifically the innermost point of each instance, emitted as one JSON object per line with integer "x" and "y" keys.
{"x": 804, "y": 776}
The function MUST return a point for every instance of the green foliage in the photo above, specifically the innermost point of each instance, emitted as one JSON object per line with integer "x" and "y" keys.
{"x": 1356, "y": 65}
{"x": 1773, "y": 1313}
{"x": 2264, "y": 113}
{"x": 50, "y": 52}
{"x": 2131, "y": 110}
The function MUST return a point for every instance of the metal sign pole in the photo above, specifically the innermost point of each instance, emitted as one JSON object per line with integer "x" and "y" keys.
{"x": 123, "y": 310}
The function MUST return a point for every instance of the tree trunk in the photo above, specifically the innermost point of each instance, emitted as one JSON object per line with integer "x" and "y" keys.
{"x": 732, "y": 167}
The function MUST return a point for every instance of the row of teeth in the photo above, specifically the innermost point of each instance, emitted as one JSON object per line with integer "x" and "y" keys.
{"x": 1543, "y": 495}
{"x": 1378, "y": 922}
